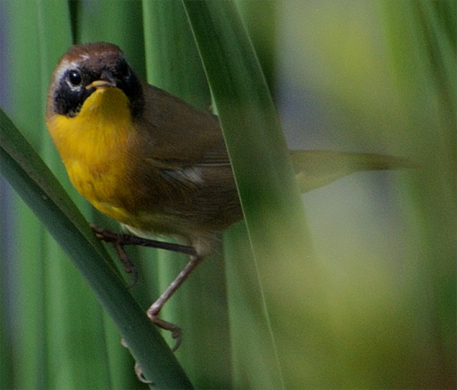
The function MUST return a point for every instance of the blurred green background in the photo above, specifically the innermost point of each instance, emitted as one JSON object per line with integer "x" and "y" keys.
{"x": 371, "y": 76}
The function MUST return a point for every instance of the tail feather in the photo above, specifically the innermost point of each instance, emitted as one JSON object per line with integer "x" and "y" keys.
{"x": 315, "y": 169}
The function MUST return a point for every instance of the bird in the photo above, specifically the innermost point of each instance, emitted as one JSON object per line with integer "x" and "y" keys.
{"x": 153, "y": 162}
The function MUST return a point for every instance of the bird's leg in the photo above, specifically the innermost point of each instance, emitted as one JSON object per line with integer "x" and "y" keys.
{"x": 128, "y": 265}
{"x": 127, "y": 239}
{"x": 155, "y": 308}
{"x": 120, "y": 240}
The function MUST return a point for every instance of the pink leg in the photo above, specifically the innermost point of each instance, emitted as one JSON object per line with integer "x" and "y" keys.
{"x": 155, "y": 308}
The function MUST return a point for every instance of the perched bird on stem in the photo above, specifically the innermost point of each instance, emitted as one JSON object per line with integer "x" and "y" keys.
{"x": 156, "y": 164}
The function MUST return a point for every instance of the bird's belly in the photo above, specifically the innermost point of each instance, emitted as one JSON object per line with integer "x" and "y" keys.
{"x": 111, "y": 190}
{"x": 152, "y": 204}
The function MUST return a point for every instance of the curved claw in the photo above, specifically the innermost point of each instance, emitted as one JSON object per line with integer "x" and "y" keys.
{"x": 140, "y": 375}
{"x": 176, "y": 331}
{"x": 137, "y": 368}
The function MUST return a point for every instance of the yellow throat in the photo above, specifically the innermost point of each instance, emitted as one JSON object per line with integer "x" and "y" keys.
{"x": 93, "y": 147}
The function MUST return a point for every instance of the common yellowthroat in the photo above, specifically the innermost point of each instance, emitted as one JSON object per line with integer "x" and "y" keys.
{"x": 153, "y": 162}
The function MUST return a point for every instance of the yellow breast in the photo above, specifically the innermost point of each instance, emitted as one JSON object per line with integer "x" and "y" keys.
{"x": 94, "y": 148}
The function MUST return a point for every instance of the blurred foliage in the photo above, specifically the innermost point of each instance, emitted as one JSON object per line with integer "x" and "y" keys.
{"x": 378, "y": 307}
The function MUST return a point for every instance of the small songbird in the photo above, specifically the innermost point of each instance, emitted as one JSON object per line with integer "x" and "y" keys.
{"x": 153, "y": 162}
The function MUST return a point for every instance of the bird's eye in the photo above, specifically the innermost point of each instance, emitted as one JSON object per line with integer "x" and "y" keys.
{"x": 74, "y": 77}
